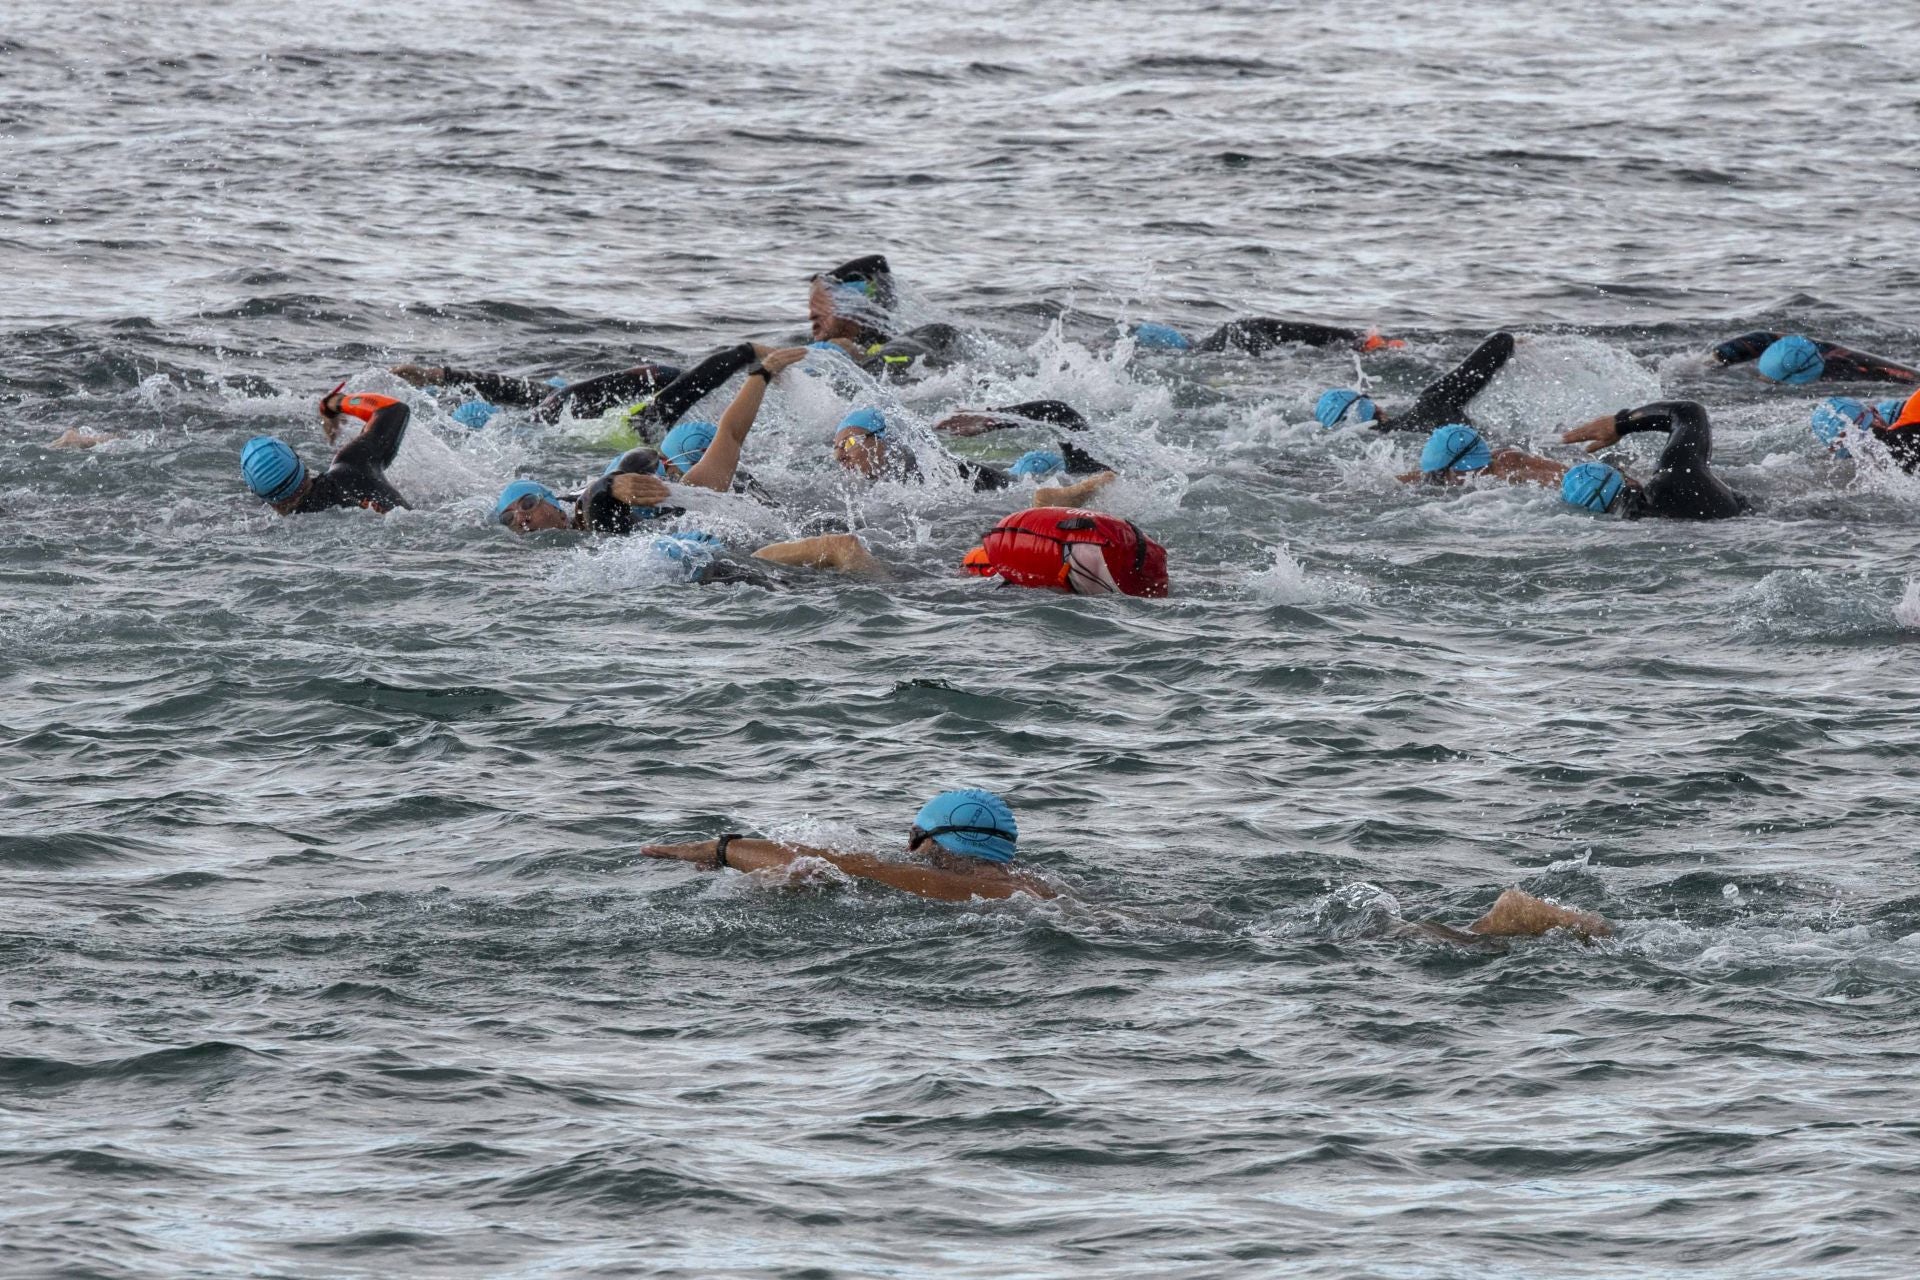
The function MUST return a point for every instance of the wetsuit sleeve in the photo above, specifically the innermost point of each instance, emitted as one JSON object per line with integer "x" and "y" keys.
{"x": 1057, "y": 412}
{"x": 600, "y": 512}
{"x": 1260, "y": 334}
{"x": 1690, "y": 434}
{"x": 1845, "y": 364}
{"x": 498, "y": 388}
{"x": 934, "y": 343}
{"x": 1747, "y": 346}
{"x": 1079, "y": 461}
{"x": 693, "y": 386}
{"x": 1446, "y": 400}
{"x": 379, "y": 442}
{"x": 593, "y": 396}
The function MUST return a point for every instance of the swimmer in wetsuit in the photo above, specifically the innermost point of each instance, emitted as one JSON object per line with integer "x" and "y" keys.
{"x": 848, "y": 307}
{"x": 659, "y": 394}
{"x": 962, "y": 844}
{"x": 1443, "y": 403}
{"x": 865, "y": 447}
{"x": 634, "y": 489}
{"x": 1257, "y": 335}
{"x": 1456, "y": 451}
{"x": 1685, "y": 486}
{"x": 1894, "y": 423}
{"x": 1794, "y": 359}
{"x": 358, "y": 476}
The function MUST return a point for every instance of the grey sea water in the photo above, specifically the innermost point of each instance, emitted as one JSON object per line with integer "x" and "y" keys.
{"x": 325, "y": 944}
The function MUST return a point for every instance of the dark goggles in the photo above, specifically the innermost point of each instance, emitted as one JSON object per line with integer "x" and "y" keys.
{"x": 920, "y": 835}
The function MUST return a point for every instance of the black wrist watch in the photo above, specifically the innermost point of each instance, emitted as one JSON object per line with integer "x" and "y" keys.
{"x": 760, "y": 370}
{"x": 720, "y": 849}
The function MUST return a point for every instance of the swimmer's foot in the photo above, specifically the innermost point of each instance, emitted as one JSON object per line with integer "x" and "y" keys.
{"x": 1515, "y": 914}
{"x": 1375, "y": 342}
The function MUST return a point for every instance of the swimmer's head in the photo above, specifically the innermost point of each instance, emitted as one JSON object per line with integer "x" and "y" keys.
{"x": 1037, "y": 463}
{"x": 684, "y": 446}
{"x": 1594, "y": 486}
{"x": 1888, "y": 411}
{"x": 527, "y": 506}
{"x": 687, "y": 554}
{"x": 1343, "y": 404}
{"x": 835, "y": 307}
{"x": 1149, "y": 336}
{"x": 1455, "y": 447}
{"x": 861, "y": 445}
{"x": 1792, "y": 359}
{"x": 474, "y": 414}
{"x": 1835, "y": 416}
{"x": 970, "y": 823}
{"x": 272, "y": 469}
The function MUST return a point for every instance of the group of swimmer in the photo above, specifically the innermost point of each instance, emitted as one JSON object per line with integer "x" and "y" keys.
{"x": 963, "y": 842}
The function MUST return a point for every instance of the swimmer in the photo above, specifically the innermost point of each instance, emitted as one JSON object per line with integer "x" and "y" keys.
{"x": 1514, "y": 914}
{"x": 634, "y": 488}
{"x": 1009, "y": 417}
{"x": 864, "y": 446}
{"x": 960, "y": 847}
{"x": 1794, "y": 359}
{"x": 1258, "y": 335}
{"x": 1083, "y": 553}
{"x": 358, "y": 476}
{"x": 1894, "y": 423}
{"x": 659, "y": 394}
{"x": 1684, "y": 487}
{"x": 848, "y": 307}
{"x": 1443, "y": 403}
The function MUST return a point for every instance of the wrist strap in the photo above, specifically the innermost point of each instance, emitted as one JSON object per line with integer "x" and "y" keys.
{"x": 760, "y": 370}
{"x": 720, "y": 849}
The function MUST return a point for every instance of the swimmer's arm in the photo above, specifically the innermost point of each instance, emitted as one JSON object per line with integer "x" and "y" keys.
{"x": 1845, "y": 363}
{"x": 722, "y": 458}
{"x": 74, "y": 438}
{"x": 379, "y": 441}
{"x": 693, "y": 386}
{"x": 1257, "y": 334}
{"x": 1073, "y": 495}
{"x": 1517, "y": 466}
{"x": 927, "y": 882}
{"x": 1747, "y": 346}
{"x": 1516, "y": 914}
{"x": 842, "y": 552}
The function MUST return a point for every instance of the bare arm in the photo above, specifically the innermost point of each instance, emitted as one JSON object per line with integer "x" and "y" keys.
{"x": 842, "y": 552}
{"x": 924, "y": 881}
{"x": 717, "y": 465}
{"x": 1517, "y": 914}
{"x": 1075, "y": 494}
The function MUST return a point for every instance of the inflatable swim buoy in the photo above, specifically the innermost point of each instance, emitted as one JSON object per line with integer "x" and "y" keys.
{"x": 1066, "y": 549}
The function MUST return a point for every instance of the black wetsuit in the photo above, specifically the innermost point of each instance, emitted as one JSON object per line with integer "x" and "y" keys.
{"x": 1685, "y": 487}
{"x": 1446, "y": 400}
{"x": 666, "y": 390}
{"x": 890, "y": 354}
{"x": 358, "y": 476}
{"x": 1260, "y": 334}
{"x": 1842, "y": 363}
{"x": 1008, "y": 417}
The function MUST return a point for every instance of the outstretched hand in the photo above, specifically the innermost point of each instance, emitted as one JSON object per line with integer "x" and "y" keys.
{"x": 638, "y": 490}
{"x": 774, "y": 362}
{"x": 1596, "y": 435}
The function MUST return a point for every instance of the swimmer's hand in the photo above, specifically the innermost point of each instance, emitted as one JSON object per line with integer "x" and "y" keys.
{"x": 1596, "y": 435}
{"x": 775, "y": 362}
{"x": 1073, "y": 495}
{"x": 640, "y": 490}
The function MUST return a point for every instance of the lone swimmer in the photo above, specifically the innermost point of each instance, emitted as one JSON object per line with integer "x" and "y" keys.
{"x": 1683, "y": 488}
{"x": 1257, "y": 335}
{"x": 1442, "y": 403}
{"x": 1796, "y": 359}
{"x": 358, "y": 476}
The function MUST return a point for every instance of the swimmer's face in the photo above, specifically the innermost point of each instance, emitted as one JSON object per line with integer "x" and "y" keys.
{"x": 861, "y": 452}
{"x": 531, "y": 515}
{"x": 827, "y": 324}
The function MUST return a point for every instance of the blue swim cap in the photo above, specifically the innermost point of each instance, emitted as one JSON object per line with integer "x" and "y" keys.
{"x": 474, "y": 413}
{"x": 1834, "y": 417}
{"x": 1038, "y": 462}
{"x": 271, "y": 467}
{"x": 521, "y": 489}
{"x": 871, "y": 421}
{"x": 854, "y": 290}
{"x": 1336, "y": 406}
{"x": 1159, "y": 337}
{"x": 1455, "y": 447}
{"x": 688, "y": 552}
{"x": 687, "y": 443}
{"x": 1793, "y": 359}
{"x": 1889, "y": 410}
{"x": 973, "y": 823}
{"x": 557, "y": 383}
{"x": 1593, "y": 485}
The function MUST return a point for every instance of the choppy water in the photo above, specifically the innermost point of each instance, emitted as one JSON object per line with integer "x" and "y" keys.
{"x": 324, "y": 941}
